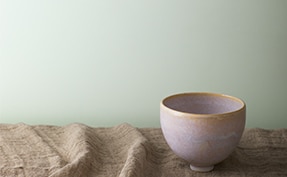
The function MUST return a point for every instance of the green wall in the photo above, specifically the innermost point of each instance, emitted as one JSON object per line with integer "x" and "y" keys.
{"x": 105, "y": 62}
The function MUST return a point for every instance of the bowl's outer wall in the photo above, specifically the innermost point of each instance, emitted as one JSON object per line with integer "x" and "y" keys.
{"x": 205, "y": 140}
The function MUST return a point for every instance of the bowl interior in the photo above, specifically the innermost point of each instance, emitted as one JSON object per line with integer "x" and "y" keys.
{"x": 203, "y": 103}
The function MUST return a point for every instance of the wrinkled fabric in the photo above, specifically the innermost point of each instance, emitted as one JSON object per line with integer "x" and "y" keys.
{"x": 78, "y": 150}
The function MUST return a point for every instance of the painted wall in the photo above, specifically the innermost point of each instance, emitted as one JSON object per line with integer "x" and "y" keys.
{"x": 103, "y": 63}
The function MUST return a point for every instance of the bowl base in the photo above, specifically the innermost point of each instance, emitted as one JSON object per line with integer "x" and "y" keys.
{"x": 201, "y": 169}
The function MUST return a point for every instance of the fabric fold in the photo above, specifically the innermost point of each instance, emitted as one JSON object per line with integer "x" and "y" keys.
{"x": 78, "y": 150}
{"x": 23, "y": 152}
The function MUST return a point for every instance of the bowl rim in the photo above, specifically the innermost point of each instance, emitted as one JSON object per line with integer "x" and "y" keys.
{"x": 195, "y": 115}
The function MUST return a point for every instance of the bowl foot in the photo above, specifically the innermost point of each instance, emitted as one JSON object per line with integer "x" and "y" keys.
{"x": 201, "y": 169}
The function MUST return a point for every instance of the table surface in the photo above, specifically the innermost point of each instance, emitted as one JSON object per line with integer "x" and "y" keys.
{"x": 79, "y": 150}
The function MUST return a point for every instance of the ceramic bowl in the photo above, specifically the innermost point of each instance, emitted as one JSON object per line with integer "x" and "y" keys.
{"x": 202, "y": 128}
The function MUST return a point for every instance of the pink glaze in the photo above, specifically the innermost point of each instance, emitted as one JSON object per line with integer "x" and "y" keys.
{"x": 202, "y": 128}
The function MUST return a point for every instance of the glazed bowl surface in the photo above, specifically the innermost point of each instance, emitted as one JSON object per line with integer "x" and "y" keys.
{"x": 202, "y": 128}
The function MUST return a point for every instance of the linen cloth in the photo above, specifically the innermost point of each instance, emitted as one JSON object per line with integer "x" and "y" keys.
{"x": 78, "y": 150}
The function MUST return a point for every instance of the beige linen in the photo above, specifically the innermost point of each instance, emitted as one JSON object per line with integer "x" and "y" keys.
{"x": 77, "y": 150}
